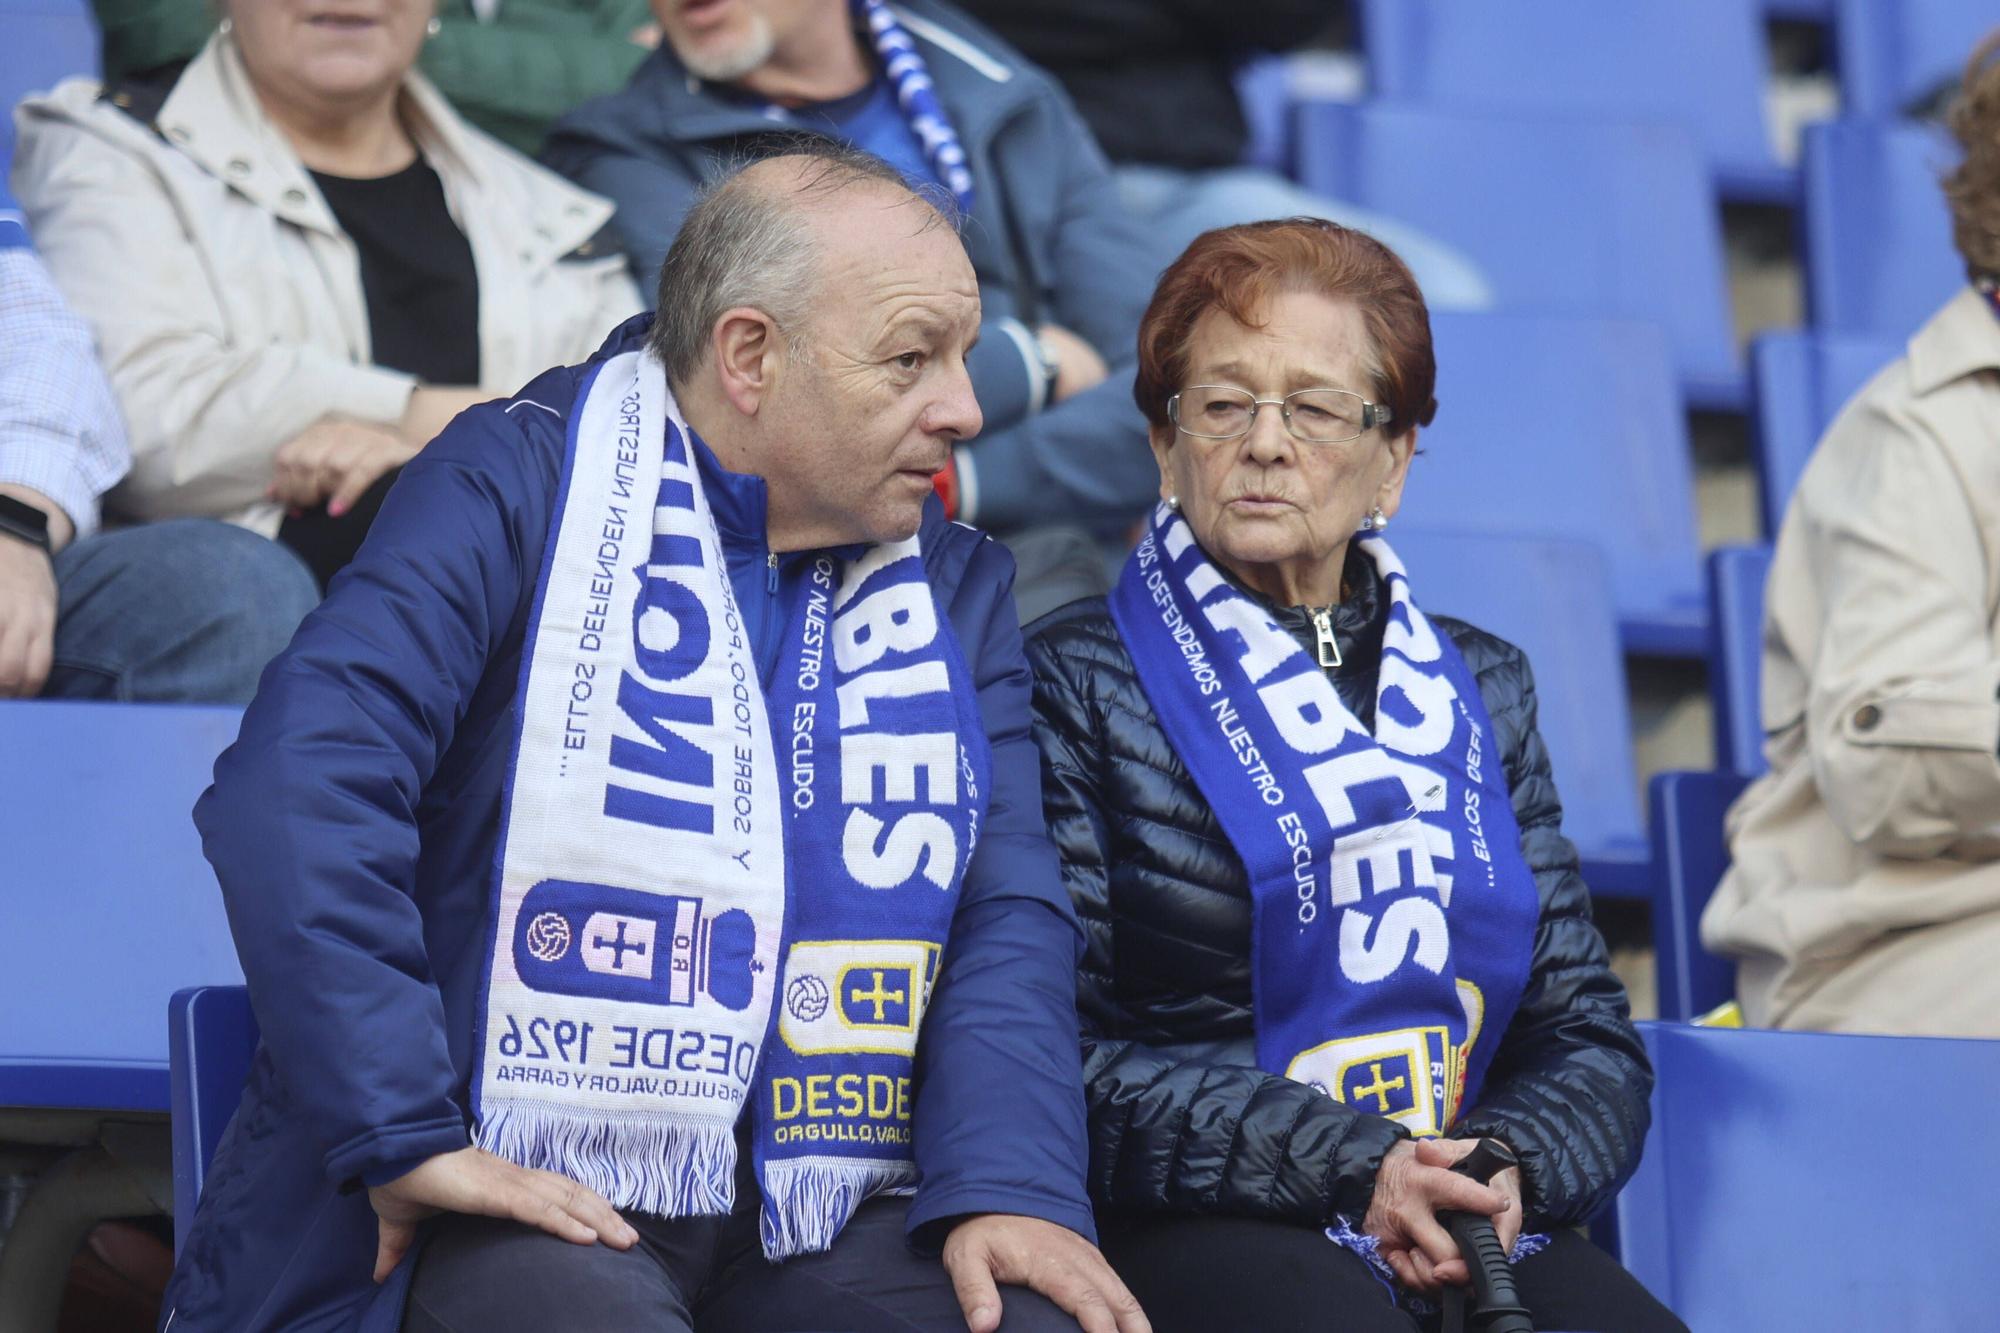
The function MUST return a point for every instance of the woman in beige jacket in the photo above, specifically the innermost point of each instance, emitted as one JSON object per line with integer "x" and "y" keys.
{"x": 1865, "y": 894}
{"x": 300, "y": 264}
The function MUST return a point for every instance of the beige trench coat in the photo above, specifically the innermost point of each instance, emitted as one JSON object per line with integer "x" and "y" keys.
{"x": 1865, "y": 894}
{"x": 227, "y": 302}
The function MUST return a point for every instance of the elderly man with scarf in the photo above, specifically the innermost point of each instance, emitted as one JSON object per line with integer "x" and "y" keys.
{"x": 638, "y": 862}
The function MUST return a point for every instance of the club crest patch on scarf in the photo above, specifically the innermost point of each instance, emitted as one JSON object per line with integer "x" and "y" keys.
{"x": 716, "y": 894}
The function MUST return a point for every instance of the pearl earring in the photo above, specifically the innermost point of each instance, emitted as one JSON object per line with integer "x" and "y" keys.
{"x": 1375, "y": 520}
{"x": 434, "y": 27}
{"x": 226, "y": 27}
{"x": 1174, "y": 502}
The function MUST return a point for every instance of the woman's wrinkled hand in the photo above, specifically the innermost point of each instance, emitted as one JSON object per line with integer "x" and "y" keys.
{"x": 1414, "y": 1185}
{"x": 334, "y": 462}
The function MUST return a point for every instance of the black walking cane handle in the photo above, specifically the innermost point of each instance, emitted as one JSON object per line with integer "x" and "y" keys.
{"x": 1497, "y": 1307}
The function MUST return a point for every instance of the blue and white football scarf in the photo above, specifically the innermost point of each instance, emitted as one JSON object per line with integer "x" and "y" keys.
{"x": 1393, "y": 914}
{"x": 680, "y": 923}
{"x": 903, "y": 66}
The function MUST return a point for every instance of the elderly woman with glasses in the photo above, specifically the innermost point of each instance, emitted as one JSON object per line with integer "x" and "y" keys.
{"x": 1335, "y": 936}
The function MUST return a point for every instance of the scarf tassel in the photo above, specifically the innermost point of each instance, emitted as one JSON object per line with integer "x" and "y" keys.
{"x": 808, "y": 1200}
{"x": 668, "y": 1166}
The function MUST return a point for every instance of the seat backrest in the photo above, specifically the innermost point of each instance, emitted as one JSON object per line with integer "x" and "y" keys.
{"x": 1551, "y": 598}
{"x": 1786, "y": 1137}
{"x": 1568, "y": 428}
{"x": 1699, "y": 64}
{"x": 1736, "y": 576}
{"x": 1895, "y": 53}
{"x": 1879, "y": 255}
{"x": 1564, "y": 217}
{"x": 211, "y": 1038}
{"x": 42, "y": 42}
{"x": 1263, "y": 86}
{"x": 111, "y": 907}
{"x": 1689, "y": 855}
{"x": 1799, "y": 382}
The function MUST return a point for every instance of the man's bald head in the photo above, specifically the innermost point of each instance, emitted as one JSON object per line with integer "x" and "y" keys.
{"x": 758, "y": 235}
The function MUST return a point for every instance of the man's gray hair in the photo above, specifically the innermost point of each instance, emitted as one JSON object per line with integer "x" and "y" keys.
{"x": 745, "y": 243}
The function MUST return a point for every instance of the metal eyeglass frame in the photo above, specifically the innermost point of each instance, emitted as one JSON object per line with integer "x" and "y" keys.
{"x": 1372, "y": 414}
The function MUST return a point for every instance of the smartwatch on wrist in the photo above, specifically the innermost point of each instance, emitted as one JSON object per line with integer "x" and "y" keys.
{"x": 1051, "y": 367}
{"x": 24, "y": 522}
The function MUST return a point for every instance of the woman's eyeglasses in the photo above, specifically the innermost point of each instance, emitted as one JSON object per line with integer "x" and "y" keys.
{"x": 1313, "y": 416}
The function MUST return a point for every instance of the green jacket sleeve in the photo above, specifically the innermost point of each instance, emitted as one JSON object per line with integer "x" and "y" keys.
{"x": 537, "y": 61}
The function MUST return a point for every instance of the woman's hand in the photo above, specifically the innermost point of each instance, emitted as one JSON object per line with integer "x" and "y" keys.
{"x": 1415, "y": 1184}
{"x": 334, "y": 462}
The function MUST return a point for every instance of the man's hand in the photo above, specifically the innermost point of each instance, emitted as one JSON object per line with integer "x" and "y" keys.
{"x": 27, "y": 619}
{"x": 474, "y": 1181}
{"x": 1415, "y": 1184}
{"x": 991, "y": 1248}
{"x": 1078, "y": 366}
{"x": 334, "y": 462}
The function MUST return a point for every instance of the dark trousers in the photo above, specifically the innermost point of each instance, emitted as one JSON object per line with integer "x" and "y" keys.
{"x": 1210, "y": 1274}
{"x": 480, "y": 1275}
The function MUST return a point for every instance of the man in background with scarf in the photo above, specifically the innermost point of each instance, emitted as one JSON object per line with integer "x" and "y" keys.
{"x": 657, "y": 773}
{"x": 1064, "y": 270}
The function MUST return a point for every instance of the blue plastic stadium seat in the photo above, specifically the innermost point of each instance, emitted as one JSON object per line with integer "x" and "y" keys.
{"x": 1773, "y": 1194}
{"x": 1879, "y": 256}
{"x": 1894, "y": 54}
{"x": 110, "y": 907}
{"x": 1689, "y": 855}
{"x": 42, "y": 42}
{"x": 1569, "y": 427}
{"x": 1699, "y": 64}
{"x": 1736, "y": 576}
{"x": 1551, "y": 598}
{"x": 1800, "y": 381}
{"x": 211, "y": 1037}
{"x": 1564, "y": 217}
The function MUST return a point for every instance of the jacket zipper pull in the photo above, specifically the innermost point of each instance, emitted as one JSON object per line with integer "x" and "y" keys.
{"x": 1329, "y": 648}
{"x": 771, "y": 563}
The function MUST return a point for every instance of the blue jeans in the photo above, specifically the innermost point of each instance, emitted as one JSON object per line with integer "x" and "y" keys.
{"x": 1178, "y": 206}
{"x": 186, "y": 611}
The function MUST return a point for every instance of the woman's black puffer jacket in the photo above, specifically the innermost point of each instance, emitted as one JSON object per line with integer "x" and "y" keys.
{"x": 1181, "y": 1120}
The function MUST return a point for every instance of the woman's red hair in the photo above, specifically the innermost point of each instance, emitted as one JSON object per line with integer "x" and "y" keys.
{"x": 1239, "y": 269}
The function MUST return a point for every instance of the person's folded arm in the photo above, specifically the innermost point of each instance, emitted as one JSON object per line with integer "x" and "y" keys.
{"x": 1568, "y": 1088}
{"x": 1083, "y": 461}
{"x": 1171, "y": 1133}
{"x": 1901, "y": 720}
{"x": 206, "y": 408}
{"x": 999, "y": 1109}
{"x": 311, "y": 823}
